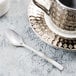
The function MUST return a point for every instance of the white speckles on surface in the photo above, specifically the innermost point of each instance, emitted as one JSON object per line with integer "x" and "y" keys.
{"x": 16, "y": 61}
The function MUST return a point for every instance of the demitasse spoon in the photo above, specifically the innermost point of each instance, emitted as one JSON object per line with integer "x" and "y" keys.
{"x": 16, "y": 40}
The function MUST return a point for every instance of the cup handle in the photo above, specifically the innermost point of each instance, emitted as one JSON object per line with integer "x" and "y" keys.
{"x": 42, "y": 7}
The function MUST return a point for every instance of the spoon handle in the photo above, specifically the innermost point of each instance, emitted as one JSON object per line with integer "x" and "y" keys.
{"x": 42, "y": 55}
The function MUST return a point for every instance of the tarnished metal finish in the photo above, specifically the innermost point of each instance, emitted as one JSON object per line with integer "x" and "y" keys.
{"x": 62, "y": 16}
{"x": 36, "y": 18}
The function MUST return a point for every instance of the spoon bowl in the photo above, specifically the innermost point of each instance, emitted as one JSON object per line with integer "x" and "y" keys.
{"x": 14, "y": 38}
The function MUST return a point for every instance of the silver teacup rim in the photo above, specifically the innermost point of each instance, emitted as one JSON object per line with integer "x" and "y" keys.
{"x": 64, "y": 6}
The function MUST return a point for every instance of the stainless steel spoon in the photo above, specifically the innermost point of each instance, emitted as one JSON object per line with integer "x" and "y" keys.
{"x": 16, "y": 40}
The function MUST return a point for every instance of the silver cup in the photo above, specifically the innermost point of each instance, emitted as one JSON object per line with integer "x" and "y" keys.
{"x": 62, "y": 13}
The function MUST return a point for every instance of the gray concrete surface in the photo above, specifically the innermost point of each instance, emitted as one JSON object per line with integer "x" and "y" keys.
{"x": 16, "y": 61}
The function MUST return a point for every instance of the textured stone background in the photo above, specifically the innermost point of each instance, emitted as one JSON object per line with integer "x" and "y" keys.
{"x": 16, "y": 61}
